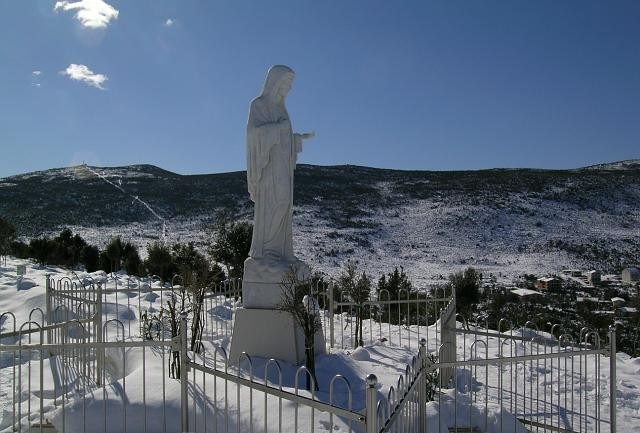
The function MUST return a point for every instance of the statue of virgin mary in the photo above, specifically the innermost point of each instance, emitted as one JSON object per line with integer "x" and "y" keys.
{"x": 272, "y": 149}
{"x": 261, "y": 328}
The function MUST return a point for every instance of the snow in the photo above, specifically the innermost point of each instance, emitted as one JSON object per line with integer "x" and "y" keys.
{"x": 629, "y": 164}
{"x": 361, "y": 354}
{"x": 25, "y": 283}
{"x": 504, "y": 239}
{"x": 387, "y": 359}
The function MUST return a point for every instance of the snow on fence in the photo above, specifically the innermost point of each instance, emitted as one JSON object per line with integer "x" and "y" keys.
{"x": 256, "y": 396}
{"x": 400, "y": 320}
{"x": 547, "y": 383}
{"x": 120, "y": 298}
{"x": 79, "y": 367}
{"x": 56, "y": 382}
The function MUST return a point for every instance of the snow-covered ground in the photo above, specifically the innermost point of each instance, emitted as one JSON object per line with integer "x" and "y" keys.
{"x": 504, "y": 222}
{"x": 136, "y": 380}
{"x": 431, "y": 239}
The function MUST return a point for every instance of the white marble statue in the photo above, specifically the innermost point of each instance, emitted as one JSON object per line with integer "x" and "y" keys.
{"x": 260, "y": 328}
{"x": 272, "y": 149}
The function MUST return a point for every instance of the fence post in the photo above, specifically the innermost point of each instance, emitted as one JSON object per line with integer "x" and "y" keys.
{"x": 422, "y": 389}
{"x": 331, "y": 307}
{"x": 448, "y": 336}
{"x": 184, "y": 402}
{"x": 97, "y": 321}
{"x": 48, "y": 307}
{"x": 372, "y": 400}
{"x": 612, "y": 377}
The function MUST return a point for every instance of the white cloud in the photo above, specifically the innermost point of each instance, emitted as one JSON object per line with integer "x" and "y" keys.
{"x": 94, "y": 14}
{"x": 35, "y": 76}
{"x": 169, "y": 22}
{"x": 86, "y": 75}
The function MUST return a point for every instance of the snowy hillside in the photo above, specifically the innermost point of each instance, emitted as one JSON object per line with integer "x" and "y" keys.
{"x": 385, "y": 358}
{"x": 504, "y": 221}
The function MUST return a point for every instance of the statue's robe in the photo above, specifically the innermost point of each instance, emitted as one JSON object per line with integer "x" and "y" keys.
{"x": 272, "y": 150}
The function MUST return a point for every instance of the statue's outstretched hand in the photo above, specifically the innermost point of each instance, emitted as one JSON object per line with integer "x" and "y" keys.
{"x": 307, "y": 135}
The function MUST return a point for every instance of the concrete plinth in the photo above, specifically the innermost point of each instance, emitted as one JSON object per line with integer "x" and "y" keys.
{"x": 270, "y": 334}
{"x": 262, "y": 281}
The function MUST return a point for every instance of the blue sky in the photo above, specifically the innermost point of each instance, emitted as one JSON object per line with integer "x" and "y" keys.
{"x": 396, "y": 84}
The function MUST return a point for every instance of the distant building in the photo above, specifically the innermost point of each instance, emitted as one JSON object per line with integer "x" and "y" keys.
{"x": 628, "y": 311}
{"x": 593, "y": 277}
{"x": 617, "y": 302}
{"x": 630, "y": 275}
{"x": 604, "y": 312}
{"x": 548, "y": 283}
{"x": 587, "y": 300}
{"x": 572, "y": 272}
{"x": 527, "y": 294}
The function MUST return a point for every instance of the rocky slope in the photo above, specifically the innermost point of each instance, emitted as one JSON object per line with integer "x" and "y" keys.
{"x": 505, "y": 221}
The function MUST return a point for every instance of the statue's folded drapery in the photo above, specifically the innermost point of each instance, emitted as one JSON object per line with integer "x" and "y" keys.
{"x": 272, "y": 148}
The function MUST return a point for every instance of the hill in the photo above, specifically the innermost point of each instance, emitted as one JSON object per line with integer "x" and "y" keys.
{"x": 505, "y": 221}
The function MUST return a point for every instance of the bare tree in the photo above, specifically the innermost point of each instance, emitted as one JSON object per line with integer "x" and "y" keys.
{"x": 178, "y": 300}
{"x": 358, "y": 289}
{"x": 188, "y": 298}
{"x": 298, "y": 301}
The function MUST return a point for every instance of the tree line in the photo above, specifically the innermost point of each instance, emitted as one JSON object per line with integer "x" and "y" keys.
{"x": 224, "y": 256}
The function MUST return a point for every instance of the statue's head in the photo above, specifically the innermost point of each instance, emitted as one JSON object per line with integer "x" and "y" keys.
{"x": 278, "y": 82}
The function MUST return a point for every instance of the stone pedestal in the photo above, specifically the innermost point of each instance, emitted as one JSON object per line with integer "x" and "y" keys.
{"x": 262, "y": 281}
{"x": 260, "y": 329}
{"x": 270, "y": 333}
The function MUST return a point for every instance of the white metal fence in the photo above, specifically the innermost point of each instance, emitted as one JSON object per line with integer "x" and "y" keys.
{"x": 79, "y": 365}
{"x": 398, "y": 318}
{"x": 526, "y": 386}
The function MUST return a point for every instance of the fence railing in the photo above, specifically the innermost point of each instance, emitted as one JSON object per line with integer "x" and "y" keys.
{"x": 255, "y": 396}
{"x": 399, "y": 319}
{"x": 78, "y": 357}
{"x": 63, "y": 372}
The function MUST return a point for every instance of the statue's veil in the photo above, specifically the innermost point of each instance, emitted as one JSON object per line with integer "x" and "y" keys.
{"x": 275, "y": 74}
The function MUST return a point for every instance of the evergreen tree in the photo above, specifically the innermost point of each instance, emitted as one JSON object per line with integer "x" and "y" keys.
{"x": 114, "y": 253}
{"x": 394, "y": 286}
{"x": 90, "y": 258}
{"x": 20, "y": 250}
{"x": 467, "y": 287}
{"x": 7, "y": 236}
{"x": 66, "y": 249}
{"x": 394, "y": 283}
{"x": 131, "y": 258}
{"x": 187, "y": 259}
{"x": 230, "y": 246}
{"x": 159, "y": 261}
{"x": 105, "y": 262}
{"x": 41, "y": 249}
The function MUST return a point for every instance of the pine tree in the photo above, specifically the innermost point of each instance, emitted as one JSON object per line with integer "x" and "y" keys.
{"x": 7, "y": 236}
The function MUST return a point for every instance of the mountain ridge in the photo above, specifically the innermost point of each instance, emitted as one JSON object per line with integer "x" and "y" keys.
{"x": 628, "y": 164}
{"x": 501, "y": 220}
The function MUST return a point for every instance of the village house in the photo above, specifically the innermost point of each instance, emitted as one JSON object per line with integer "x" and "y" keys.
{"x": 593, "y": 277}
{"x": 548, "y": 283}
{"x": 631, "y": 275}
{"x": 527, "y": 295}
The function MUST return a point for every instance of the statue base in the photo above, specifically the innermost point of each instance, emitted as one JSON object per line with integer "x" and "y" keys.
{"x": 262, "y": 281}
{"x": 260, "y": 329}
{"x": 270, "y": 334}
